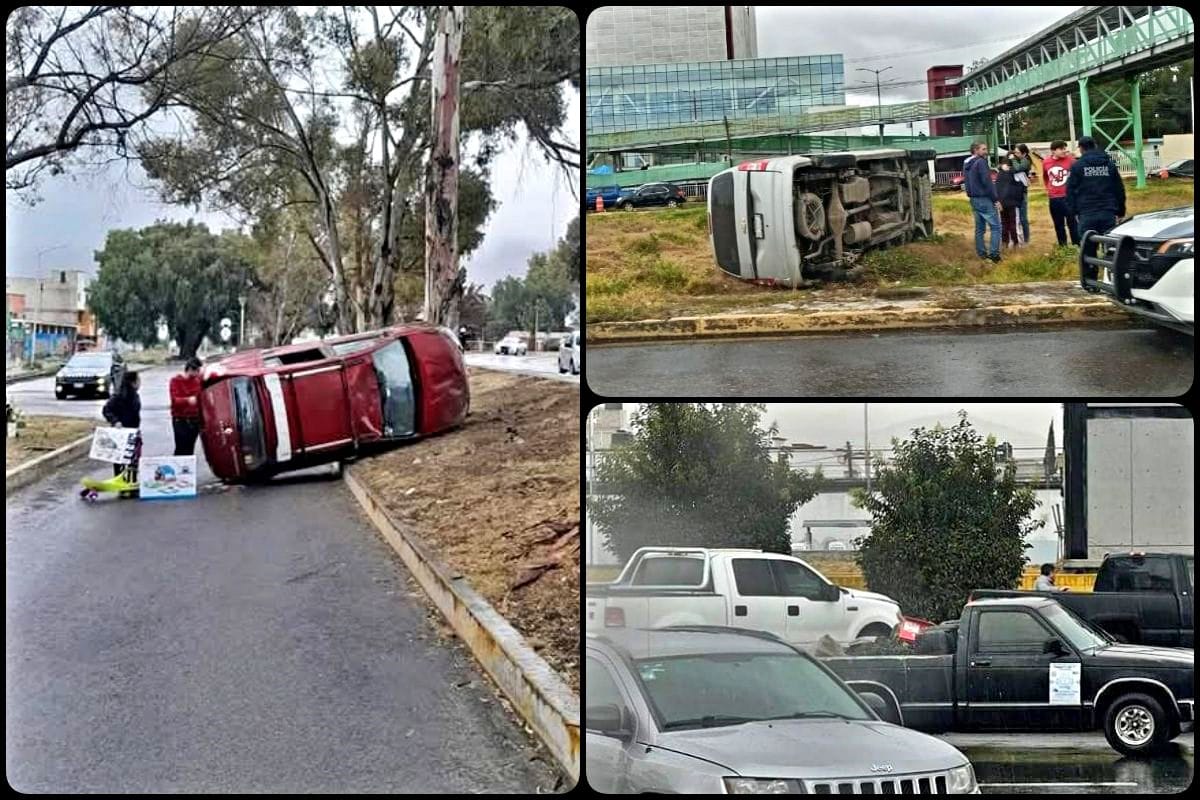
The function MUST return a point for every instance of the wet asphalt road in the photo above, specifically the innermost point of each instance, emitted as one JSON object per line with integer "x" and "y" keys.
{"x": 1060, "y": 362}
{"x": 257, "y": 639}
{"x": 1072, "y": 763}
{"x": 539, "y": 365}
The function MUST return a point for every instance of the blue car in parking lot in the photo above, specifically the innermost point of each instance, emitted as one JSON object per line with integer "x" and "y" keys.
{"x": 611, "y": 195}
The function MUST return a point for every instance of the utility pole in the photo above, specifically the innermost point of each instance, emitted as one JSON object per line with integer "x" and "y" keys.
{"x": 242, "y": 321}
{"x": 41, "y": 287}
{"x": 867, "y": 445}
{"x": 442, "y": 285}
{"x": 878, "y": 96}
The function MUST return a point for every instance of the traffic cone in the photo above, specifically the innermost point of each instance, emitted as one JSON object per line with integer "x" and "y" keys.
{"x": 599, "y": 204}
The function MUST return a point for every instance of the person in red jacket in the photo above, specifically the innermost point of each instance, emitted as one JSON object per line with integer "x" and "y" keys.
{"x": 185, "y": 407}
{"x": 1055, "y": 171}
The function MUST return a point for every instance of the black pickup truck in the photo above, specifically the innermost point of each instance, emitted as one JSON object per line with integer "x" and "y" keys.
{"x": 1030, "y": 664}
{"x": 1139, "y": 598}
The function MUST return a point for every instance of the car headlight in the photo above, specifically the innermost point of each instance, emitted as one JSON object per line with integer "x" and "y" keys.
{"x": 961, "y": 780}
{"x": 762, "y": 786}
{"x": 1176, "y": 247}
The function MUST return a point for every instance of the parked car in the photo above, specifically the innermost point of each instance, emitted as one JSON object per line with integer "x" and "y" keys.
{"x": 1183, "y": 168}
{"x": 96, "y": 373}
{"x": 510, "y": 346}
{"x": 791, "y": 219}
{"x": 726, "y": 711}
{"x": 1031, "y": 664}
{"x": 611, "y": 195}
{"x": 269, "y": 411}
{"x": 568, "y": 354}
{"x": 652, "y": 194}
{"x": 1145, "y": 266}
{"x": 1138, "y": 598}
{"x": 836, "y": 545}
{"x": 662, "y": 586}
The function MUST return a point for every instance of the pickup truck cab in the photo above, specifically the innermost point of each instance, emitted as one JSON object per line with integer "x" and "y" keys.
{"x": 780, "y": 594}
{"x": 285, "y": 408}
{"x": 728, "y": 711}
{"x": 1030, "y": 664}
{"x": 1139, "y": 598}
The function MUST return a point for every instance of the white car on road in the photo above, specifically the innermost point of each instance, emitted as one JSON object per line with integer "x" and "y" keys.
{"x": 568, "y": 354}
{"x": 510, "y": 346}
{"x": 780, "y": 594}
{"x": 1145, "y": 265}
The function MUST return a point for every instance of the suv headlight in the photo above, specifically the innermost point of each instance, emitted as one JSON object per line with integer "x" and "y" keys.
{"x": 961, "y": 780}
{"x": 763, "y": 786}
{"x": 1176, "y": 247}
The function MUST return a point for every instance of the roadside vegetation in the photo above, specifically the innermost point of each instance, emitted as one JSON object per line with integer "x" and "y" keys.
{"x": 40, "y": 435}
{"x": 656, "y": 264}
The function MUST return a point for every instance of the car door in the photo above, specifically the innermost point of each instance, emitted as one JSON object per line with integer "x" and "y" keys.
{"x": 755, "y": 602}
{"x": 809, "y": 613}
{"x": 1187, "y": 601}
{"x": 320, "y": 406}
{"x": 659, "y": 194}
{"x": 607, "y": 760}
{"x": 1009, "y": 674}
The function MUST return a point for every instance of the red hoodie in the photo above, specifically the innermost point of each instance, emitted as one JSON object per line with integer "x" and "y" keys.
{"x": 1054, "y": 174}
{"x": 183, "y": 387}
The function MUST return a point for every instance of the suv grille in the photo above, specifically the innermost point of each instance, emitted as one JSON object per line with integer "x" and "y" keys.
{"x": 909, "y": 784}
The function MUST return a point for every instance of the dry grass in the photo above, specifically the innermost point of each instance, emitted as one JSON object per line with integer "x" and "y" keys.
{"x": 41, "y": 435}
{"x": 657, "y": 264}
{"x": 498, "y": 499}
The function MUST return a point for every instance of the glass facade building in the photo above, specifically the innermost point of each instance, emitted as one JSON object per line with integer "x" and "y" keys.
{"x": 649, "y": 96}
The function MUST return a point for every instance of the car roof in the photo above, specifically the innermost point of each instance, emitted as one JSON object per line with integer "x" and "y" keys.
{"x": 687, "y": 640}
{"x": 1030, "y": 602}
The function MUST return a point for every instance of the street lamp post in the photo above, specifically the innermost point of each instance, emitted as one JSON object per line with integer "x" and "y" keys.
{"x": 878, "y": 96}
{"x": 41, "y": 287}
{"x": 867, "y": 445}
{"x": 242, "y": 321}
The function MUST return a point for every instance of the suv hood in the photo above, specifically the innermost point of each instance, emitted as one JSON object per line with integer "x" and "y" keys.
{"x": 816, "y": 748}
{"x": 1168, "y": 223}
{"x": 83, "y": 372}
{"x": 1139, "y": 655}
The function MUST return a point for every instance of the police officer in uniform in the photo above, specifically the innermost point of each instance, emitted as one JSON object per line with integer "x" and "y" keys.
{"x": 1095, "y": 194}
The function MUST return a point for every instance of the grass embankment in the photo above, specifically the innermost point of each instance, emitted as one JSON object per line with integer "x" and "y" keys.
{"x": 42, "y": 435}
{"x": 655, "y": 264}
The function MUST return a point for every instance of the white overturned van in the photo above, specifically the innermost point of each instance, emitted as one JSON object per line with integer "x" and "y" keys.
{"x": 793, "y": 219}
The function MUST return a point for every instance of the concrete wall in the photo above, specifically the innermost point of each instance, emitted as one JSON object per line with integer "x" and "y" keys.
{"x": 1176, "y": 146}
{"x": 1140, "y": 485}
{"x": 57, "y": 298}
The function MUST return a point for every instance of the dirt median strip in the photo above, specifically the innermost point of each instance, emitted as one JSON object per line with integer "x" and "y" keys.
{"x": 826, "y": 322}
{"x": 31, "y": 471}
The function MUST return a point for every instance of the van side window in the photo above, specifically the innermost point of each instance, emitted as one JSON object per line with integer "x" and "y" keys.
{"x": 1011, "y": 631}
{"x": 754, "y": 577}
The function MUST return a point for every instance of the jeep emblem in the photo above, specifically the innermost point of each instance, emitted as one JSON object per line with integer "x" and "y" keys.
{"x": 881, "y": 768}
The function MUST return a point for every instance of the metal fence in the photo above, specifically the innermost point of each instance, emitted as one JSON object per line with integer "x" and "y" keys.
{"x": 1153, "y": 162}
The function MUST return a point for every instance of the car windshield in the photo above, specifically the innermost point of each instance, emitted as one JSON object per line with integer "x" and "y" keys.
{"x": 250, "y": 423}
{"x": 716, "y": 689}
{"x": 1080, "y": 633}
{"x": 395, "y": 390}
{"x": 90, "y": 360}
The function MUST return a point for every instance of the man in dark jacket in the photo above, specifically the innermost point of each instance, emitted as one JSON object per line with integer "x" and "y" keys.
{"x": 124, "y": 410}
{"x": 985, "y": 204}
{"x": 1095, "y": 194}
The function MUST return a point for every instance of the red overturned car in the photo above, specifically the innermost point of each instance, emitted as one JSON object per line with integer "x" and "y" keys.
{"x": 286, "y": 408}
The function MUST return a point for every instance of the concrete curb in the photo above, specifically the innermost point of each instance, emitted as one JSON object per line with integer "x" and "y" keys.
{"x": 31, "y": 471}
{"x": 537, "y": 692}
{"x": 818, "y": 322}
{"x": 30, "y": 376}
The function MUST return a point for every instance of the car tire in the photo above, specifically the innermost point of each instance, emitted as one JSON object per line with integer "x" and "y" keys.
{"x": 574, "y": 368}
{"x": 626, "y": 206}
{"x": 1136, "y": 725}
{"x": 875, "y": 629}
{"x": 672, "y": 204}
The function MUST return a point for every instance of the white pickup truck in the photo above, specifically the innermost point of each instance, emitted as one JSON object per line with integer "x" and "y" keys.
{"x": 664, "y": 586}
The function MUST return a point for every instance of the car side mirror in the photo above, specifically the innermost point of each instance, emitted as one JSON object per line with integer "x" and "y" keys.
{"x": 882, "y": 708}
{"x": 610, "y": 720}
{"x": 1054, "y": 646}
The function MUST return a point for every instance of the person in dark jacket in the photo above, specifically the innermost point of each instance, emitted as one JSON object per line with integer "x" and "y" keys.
{"x": 124, "y": 410}
{"x": 1095, "y": 193}
{"x": 985, "y": 204}
{"x": 1012, "y": 195}
{"x": 1022, "y": 167}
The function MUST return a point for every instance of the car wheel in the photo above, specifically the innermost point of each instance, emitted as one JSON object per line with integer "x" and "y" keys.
{"x": 626, "y": 207}
{"x": 561, "y": 369}
{"x": 875, "y": 629}
{"x": 574, "y": 368}
{"x": 1136, "y": 724}
{"x": 672, "y": 204}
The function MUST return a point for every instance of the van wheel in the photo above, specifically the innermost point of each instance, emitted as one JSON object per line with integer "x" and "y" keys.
{"x": 1136, "y": 725}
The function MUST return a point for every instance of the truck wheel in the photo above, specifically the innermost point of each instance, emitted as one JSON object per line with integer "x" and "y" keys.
{"x": 1136, "y": 725}
{"x": 875, "y": 629}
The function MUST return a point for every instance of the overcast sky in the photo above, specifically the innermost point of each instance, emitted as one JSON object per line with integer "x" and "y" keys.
{"x": 77, "y": 211}
{"x": 832, "y": 424}
{"x": 909, "y": 39}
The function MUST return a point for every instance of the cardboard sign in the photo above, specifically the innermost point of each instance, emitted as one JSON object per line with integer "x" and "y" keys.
{"x": 114, "y": 445}
{"x": 162, "y": 477}
{"x": 1064, "y": 684}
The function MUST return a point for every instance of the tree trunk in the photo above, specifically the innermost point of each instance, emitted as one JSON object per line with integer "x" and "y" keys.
{"x": 443, "y": 286}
